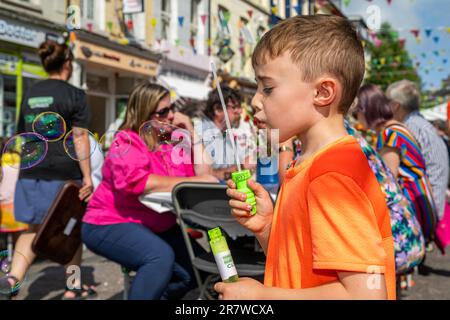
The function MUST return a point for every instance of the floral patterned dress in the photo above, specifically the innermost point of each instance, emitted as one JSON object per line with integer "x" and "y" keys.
{"x": 408, "y": 238}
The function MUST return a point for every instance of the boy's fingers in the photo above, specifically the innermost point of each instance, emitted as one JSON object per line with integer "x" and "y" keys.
{"x": 232, "y": 193}
{"x": 240, "y": 213}
{"x": 231, "y": 184}
{"x": 235, "y": 204}
{"x": 218, "y": 287}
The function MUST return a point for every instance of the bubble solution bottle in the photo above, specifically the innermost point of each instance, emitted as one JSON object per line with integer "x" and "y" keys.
{"x": 222, "y": 255}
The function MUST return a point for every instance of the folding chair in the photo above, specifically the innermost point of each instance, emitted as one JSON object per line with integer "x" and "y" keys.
{"x": 206, "y": 205}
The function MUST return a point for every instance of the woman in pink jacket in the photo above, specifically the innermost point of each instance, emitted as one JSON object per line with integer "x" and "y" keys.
{"x": 119, "y": 227}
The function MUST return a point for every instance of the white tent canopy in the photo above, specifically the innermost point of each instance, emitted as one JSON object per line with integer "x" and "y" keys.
{"x": 438, "y": 112}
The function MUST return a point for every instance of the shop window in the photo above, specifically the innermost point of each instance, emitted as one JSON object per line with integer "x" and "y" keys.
{"x": 97, "y": 83}
{"x": 93, "y": 14}
{"x": 8, "y": 101}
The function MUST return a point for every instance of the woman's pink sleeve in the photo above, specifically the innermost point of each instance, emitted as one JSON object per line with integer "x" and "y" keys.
{"x": 130, "y": 170}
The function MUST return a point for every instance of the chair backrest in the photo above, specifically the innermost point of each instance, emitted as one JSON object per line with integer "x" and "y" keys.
{"x": 206, "y": 204}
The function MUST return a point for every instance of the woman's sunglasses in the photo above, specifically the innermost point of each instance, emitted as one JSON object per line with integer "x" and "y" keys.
{"x": 163, "y": 113}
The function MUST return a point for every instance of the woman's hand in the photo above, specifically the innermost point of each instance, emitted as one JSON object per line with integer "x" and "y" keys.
{"x": 182, "y": 121}
{"x": 261, "y": 222}
{"x": 86, "y": 190}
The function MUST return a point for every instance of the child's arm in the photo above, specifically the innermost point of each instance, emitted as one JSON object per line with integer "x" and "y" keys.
{"x": 351, "y": 285}
{"x": 260, "y": 223}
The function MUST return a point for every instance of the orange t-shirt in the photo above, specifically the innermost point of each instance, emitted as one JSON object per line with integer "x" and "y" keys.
{"x": 330, "y": 215}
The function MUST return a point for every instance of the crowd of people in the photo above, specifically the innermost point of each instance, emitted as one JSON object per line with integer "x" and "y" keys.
{"x": 343, "y": 204}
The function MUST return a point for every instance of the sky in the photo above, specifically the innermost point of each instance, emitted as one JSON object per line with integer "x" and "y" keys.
{"x": 405, "y": 15}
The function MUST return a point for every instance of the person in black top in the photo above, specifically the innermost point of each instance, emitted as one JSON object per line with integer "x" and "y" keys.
{"x": 38, "y": 186}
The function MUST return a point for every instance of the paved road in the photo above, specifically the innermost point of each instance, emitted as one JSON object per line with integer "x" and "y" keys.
{"x": 46, "y": 279}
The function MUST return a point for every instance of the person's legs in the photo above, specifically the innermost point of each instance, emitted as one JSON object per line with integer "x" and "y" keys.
{"x": 135, "y": 247}
{"x": 183, "y": 278}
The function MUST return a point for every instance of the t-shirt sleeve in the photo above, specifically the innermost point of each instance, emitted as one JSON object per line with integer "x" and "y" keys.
{"x": 131, "y": 169}
{"x": 391, "y": 138}
{"x": 80, "y": 115}
{"x": 344, "y": 229}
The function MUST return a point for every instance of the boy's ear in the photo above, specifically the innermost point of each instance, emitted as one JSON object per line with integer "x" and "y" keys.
{"x": 325, "y": 92}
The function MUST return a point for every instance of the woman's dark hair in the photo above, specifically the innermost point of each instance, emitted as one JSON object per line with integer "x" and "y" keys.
{"x": 375, "y": 106}
{"x": 54, "y": 55}
{"x": 229, "y": 95}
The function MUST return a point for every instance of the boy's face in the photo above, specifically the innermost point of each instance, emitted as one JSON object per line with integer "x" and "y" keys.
{"x": 285, "y": 100}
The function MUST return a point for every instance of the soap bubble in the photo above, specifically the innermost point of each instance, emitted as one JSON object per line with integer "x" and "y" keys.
{"x": 115, "y": 147}
{"x": 50, "y": 125}
{"x": 28, "y": 149}
{"x": 74, "y": 147}
{"x": 161, "y": 136}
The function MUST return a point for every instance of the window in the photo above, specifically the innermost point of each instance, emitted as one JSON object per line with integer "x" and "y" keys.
{"x": 87, "y": 9}
{"x": 195, "y": 4}
{"x": 165, "y": 19}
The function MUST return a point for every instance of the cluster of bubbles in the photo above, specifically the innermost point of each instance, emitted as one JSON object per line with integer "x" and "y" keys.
{"x": 49, "y": 127}
{"x": 161, "y": 136}
{"x": 5, "y": 269}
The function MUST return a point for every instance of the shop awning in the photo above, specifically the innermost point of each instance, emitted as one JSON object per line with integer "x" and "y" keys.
{"x": 186, "y": 88}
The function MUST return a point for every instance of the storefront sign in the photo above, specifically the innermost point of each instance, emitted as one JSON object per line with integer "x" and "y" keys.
{"x": 133, "y": 6}
{"x": 90, "y": 52}
{"x": 20, "y": 34}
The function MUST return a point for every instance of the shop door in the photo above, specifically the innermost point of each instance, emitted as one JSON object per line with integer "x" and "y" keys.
{"x": 97, "y": 123}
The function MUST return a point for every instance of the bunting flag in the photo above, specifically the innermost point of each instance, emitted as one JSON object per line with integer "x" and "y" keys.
{"x": 209, "y": 42}
{"x": 424, "y": 55}
{"x": 444, "y": 61}
{"x": 250, "y": 13}
{"x": 347, "y": 2}
{"x": 415, "y": 32}
{"x": 418, "y": 40}
{"x": 180, "y": 20}
{"x": 402, "y": 43}
{"x": 192, "y": 42}
{"x": 274, "y": 10}
{"x": 436, "y": 39}
{"x": 389, "y": 2}
{"x": 203, "y": 18}
{"x": 398, "y": 59}
{"x": 130, "y": 25}
{"x": 436, "y": 53}
{"x": 298, "y": 9}
{"x": 154, "y": 21}
{"x": 383, "y": 61}
{"x": 428, "y": 32}
{"x": 177, "y": 42}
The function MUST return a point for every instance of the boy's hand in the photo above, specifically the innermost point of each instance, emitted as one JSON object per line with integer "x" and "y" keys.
{"x": 244, "y": 289}
{"x": 262, "y": 220}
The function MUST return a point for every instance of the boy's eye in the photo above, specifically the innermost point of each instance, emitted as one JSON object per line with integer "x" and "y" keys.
{"x": 267, "y": 90}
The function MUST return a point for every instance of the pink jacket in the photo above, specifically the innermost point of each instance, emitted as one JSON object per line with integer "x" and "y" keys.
{"x": 125, "y": 174}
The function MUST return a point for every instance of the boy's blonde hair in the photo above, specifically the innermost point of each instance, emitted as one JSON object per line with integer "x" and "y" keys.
{"x": 319, "y": 45}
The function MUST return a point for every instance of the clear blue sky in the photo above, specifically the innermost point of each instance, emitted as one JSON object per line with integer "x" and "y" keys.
{"x": 405, "y": 15}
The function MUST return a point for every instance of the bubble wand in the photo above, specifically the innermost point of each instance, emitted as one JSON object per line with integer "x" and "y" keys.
{"x": 239, "y": 177}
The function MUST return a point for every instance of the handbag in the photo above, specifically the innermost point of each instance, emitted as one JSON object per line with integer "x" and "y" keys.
{"x": 59, "y": 237}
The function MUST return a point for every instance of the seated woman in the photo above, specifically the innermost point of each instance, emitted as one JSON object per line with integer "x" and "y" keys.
{"x": 120, "y": 228}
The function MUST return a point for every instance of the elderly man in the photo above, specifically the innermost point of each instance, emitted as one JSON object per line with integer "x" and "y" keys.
{"x": 405, "y": 97}
{"x": 213, "y": 132}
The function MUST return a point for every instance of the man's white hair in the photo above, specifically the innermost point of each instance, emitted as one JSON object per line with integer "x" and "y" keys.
{"x": 406, "y": 93}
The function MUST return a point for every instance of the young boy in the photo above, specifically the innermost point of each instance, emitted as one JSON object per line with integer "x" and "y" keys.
{"x": 329, "y": 236}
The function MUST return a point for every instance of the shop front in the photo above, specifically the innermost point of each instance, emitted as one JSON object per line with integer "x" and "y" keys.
{"x": 20, "y": 66}
{"x": 108, "y": 72}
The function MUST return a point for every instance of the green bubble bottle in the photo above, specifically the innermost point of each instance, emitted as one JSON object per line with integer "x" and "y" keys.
{"x": 222, "y": 255}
